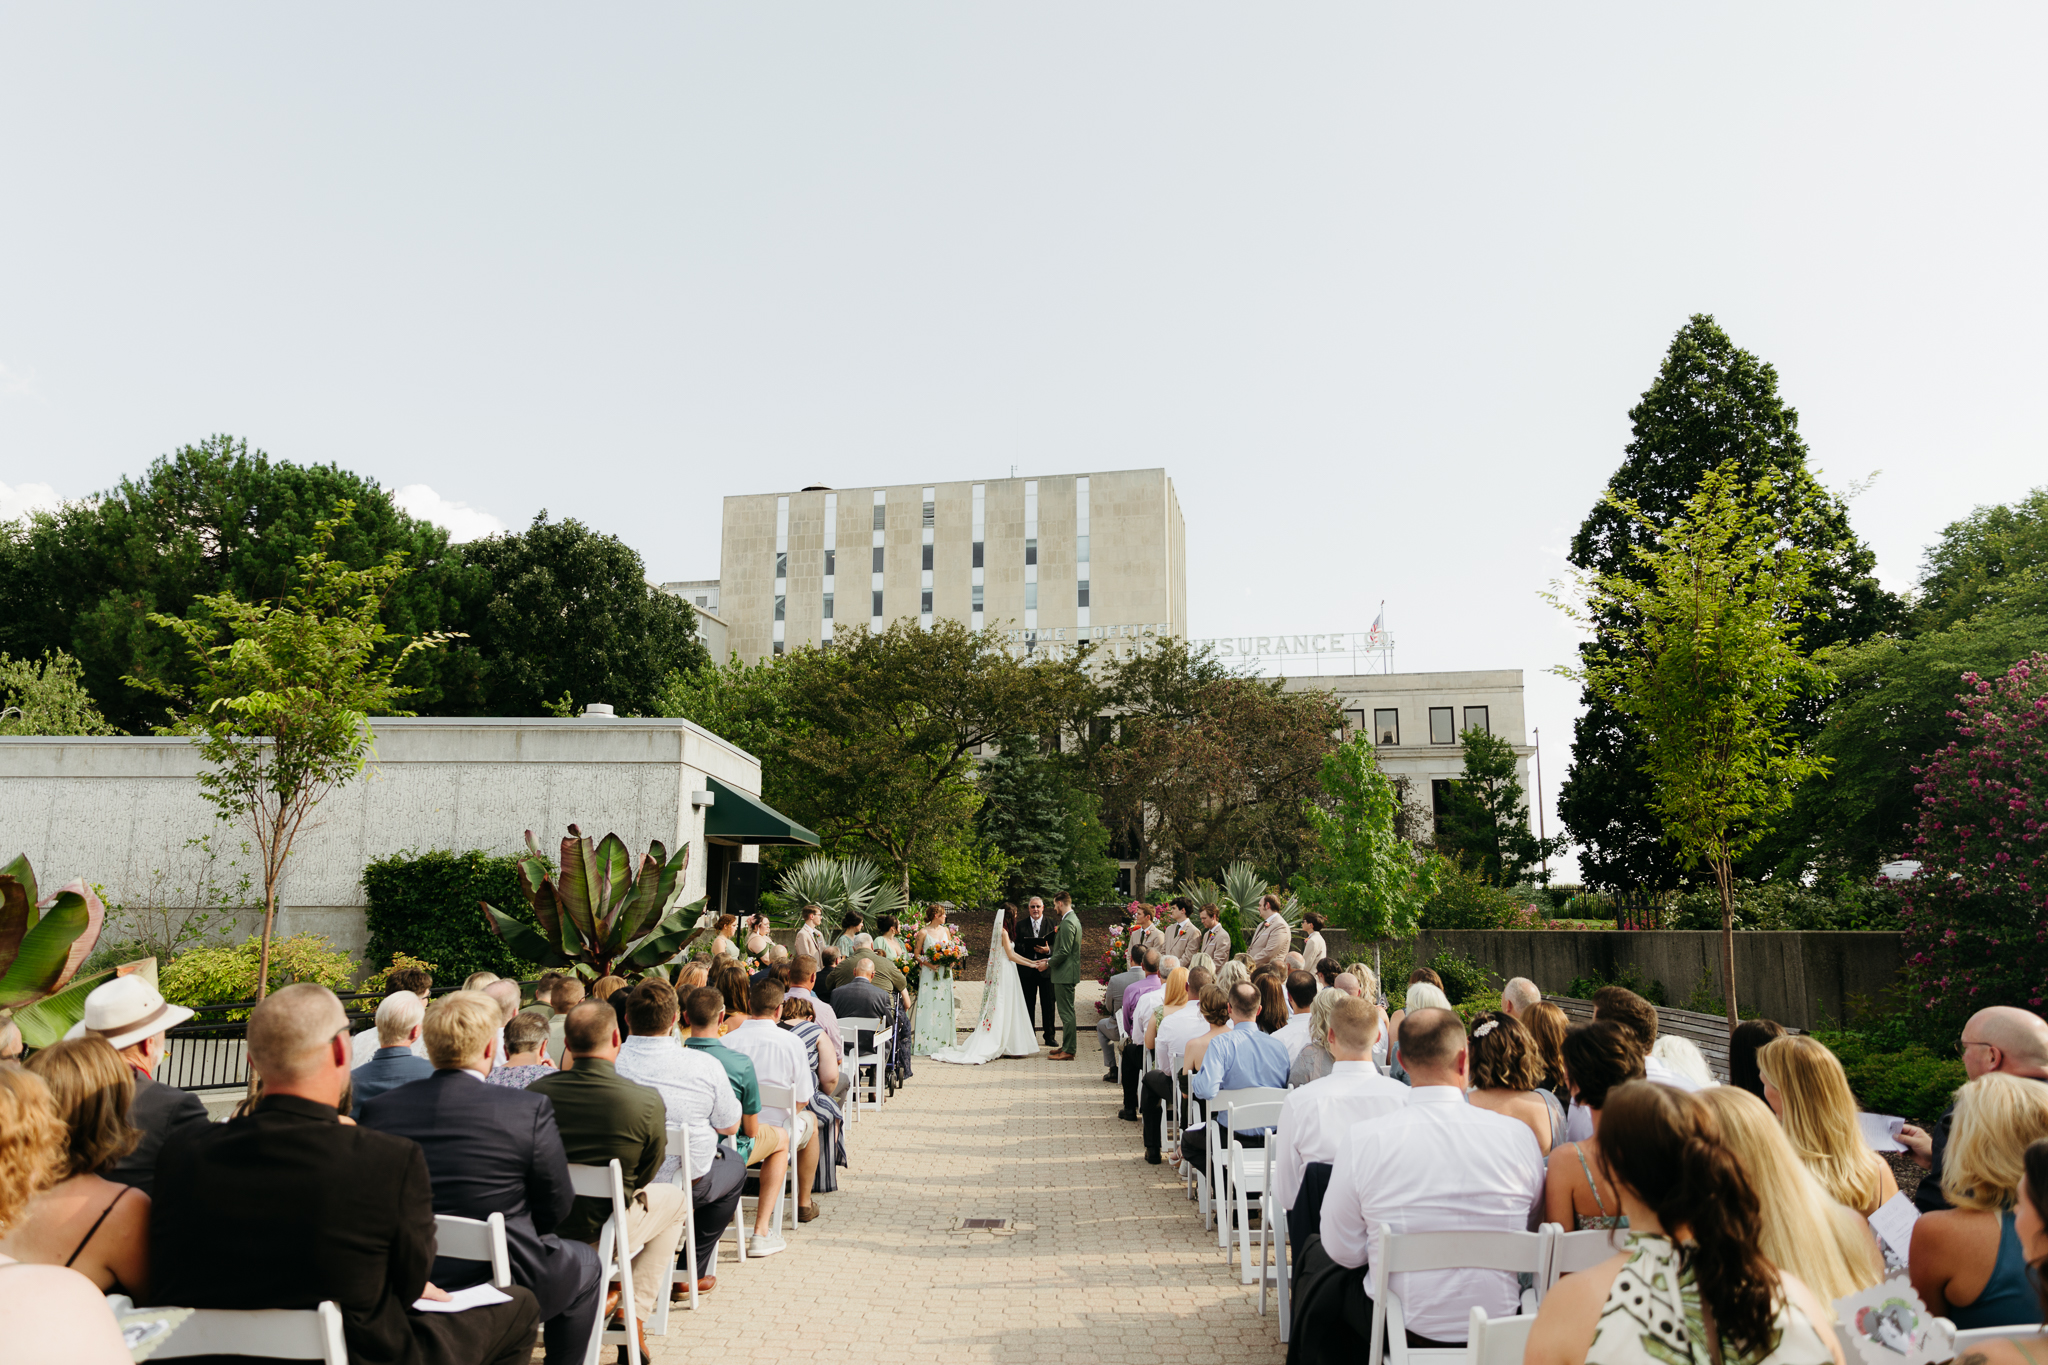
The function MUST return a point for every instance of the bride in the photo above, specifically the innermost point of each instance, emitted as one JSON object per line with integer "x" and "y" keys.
{"x": 1005, "y": 1026}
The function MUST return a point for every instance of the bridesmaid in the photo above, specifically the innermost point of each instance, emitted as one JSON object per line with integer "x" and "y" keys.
{"x": 934, "y": 988}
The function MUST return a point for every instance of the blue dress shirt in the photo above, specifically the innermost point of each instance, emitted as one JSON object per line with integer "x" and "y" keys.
{"x": 1242, "y": 1059}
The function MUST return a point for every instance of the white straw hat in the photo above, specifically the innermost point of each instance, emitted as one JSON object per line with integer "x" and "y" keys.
{"x": 125, "y": 1011}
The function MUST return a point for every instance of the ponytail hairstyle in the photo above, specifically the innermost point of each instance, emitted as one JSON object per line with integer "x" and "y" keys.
{"x": 1665, "y": 1147}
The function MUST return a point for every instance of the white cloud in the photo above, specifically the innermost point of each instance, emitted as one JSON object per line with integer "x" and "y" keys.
{"x": 20, "y": 499}
{"x": 462, "y": 521}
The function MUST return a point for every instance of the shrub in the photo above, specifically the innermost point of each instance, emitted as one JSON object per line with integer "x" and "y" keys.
{"x": 1789, "y": 905}
{"x": 1464, "y": 979}
{"x": 1465, "y": 900}
{"x": 374, "y": 982}
{"x": 425, "y": 905}
{"x": 1583, "y": 987}
{"x": 213, "y": 976}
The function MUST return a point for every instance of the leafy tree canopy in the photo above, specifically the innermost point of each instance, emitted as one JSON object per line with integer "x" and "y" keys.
{"x": 1047, "y": 825}
{"x": 47, "y": 698}
{"x": 1487, "y": 819}
{"x": 1996, "y": 556}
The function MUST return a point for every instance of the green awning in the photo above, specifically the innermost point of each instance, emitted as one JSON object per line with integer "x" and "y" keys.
{"x": 739, "y": 818}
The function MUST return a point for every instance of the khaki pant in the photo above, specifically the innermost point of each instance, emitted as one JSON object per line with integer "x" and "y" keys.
{"x": 652, "y": 1232}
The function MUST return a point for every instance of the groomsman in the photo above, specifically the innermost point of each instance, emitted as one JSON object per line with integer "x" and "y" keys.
{"x": 1269, "y": 944}
{"x": 1033, "y": 940}
{"x": 1215, "y": 938}
{"x": 1183, "y": 939}
{"x": 810, "y": 942}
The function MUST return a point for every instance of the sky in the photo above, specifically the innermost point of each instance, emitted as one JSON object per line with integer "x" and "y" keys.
{"x": 1377, "y": 285}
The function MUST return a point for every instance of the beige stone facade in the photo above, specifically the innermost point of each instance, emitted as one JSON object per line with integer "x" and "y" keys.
{"x": 913, "y": 548}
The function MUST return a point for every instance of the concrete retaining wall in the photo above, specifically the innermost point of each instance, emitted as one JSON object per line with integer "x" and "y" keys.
{"x": 1798, "y": 978}
{"x": 119, "y": 811}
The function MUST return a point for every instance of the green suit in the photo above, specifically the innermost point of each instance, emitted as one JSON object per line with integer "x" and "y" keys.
{"x": 1064, "y": 967}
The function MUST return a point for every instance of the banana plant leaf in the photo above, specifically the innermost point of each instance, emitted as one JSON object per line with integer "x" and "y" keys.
{"x": 82, "y": 946}
{"x": 614, "y": 883}
{"x": 540, "y": 894}
{"x": 653, "y": 891}
{"x": 20, "y": 871}
{"x": 575, "y": 889}
{"x": 49, "y": 1019}
{"x": 521, "y": 940}
{"x": 17, "y": 907}
{"x": 670, "y": 937}
{"x": 45, "y": 952}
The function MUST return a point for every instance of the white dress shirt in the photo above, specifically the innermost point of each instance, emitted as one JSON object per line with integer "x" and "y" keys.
{"x": 1294, "y": 1035}
{"x": 1176, "y": 1031}
{"x": 1317, "y": 1117}
{"x": 781, "y": 1059}
{"x": 693, "y": 1087}
{"x": 1437, "y": 1165}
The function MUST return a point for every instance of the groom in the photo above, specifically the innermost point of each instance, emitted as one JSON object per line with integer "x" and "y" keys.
{"x": 1064, "y": 969}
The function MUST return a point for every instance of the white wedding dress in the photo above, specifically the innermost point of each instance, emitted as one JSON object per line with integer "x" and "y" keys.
{"x": 1004, "y": 1029}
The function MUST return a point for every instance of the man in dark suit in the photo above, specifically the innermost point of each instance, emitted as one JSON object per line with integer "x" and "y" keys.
{"x": 493, "y": 1149}
{"x": 288, "y": 1206}
{"x": 1033, "y": 939}
{"x": 861, "y": 998}
{"x": 394, "y": 1063}
{"x": 129, "y": 1014}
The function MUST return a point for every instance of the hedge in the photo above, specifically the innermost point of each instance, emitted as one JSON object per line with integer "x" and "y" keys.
{"x": 425, "y": 904}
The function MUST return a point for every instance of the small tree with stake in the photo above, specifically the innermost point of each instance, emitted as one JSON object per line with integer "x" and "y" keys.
{"x": 284, "y": 694}
{"x": 1703, "y": 656}
{"x": 1366, "y": 876}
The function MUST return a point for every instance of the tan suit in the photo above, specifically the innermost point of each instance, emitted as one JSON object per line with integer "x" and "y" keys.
{"x": 810, "y": 943}
{"x": 1151, "y": 938}
{"x": 1183, "y": 941}
{"x": 1216, "y": 945}
{"x": 1269, "y": 944}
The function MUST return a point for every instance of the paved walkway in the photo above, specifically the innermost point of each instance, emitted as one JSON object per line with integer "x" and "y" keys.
{"x": 1107, "y": 1263}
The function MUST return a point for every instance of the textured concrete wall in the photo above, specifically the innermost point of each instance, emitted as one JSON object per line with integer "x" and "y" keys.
{"x": 1801, "y": 979}
{"x": 119, "y": 811}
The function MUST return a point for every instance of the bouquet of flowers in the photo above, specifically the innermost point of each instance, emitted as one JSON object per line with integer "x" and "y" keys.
{"x": 906, "y": 964}
{"x": 1113, "y": 958}
{"x": 944, "y": 956}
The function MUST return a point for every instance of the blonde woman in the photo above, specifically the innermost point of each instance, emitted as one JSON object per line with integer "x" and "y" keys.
{"x": 1231, "y": 973}
{"x": 95, "y": 1226}
{"x": 1968, "y": 1262}
{"x": 1805, "y": 1087}
{"x": 1172, "y": 996}
{"x": 1834, "y": 1264}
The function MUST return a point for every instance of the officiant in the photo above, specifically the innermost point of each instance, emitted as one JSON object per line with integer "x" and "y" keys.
{"x": 1033, "y": 940}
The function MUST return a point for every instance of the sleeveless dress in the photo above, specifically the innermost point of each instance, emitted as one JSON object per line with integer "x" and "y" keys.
{"x": 934, "y": 1005}
{"x": 1004, "y": 1029}
{"x": 1652, "y": 1317}
{"x": 2007, "y": 1297}
{"x": 1603, "y": 1220}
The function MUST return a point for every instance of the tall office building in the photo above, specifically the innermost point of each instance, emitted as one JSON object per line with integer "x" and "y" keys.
{"x": 1050, "y": 561}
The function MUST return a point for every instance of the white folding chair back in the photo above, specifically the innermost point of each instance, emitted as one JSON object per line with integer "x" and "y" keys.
{"x": 1496, "y": 1341}
{"x": 1571, "y": 1252}
{"x": 784, "y": 1098}
{"x": 1977, "y": 1336}
{"x": 1479, "y": 1249}
{"x": 679, "y": 1148}
{"x": 1246, "y": 1169}
{"x": 867, "y": 1066}
{"x": 475, "y": 1239}
{"x": 1273, "y": 1220}
{"x": 280, "y": 1333}
{"x": 614, "y": 1256}
{"x": 1218, "y": 1192}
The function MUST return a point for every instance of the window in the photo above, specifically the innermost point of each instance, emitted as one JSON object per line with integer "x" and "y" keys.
{"x": 831, "y": 562}
{"x": 881, "y": 513}
{"x": 1440, "y": 797}
{"x": 1031, "y": 551}
{"x": 828, "y": 606}
{"x": 1354, "y": 720}
{"x": 779, "y": 601}
{"x": 1443, "y": 727}
{"x": 1030, "y": 597}
{"x": 782, "y": 563}
{"x": 925, "y": 603}
{"x": 878, "y": 602}
{"x": 1083, "y": 594}
{"x": 977, "y": 554}
{"x": 977, "y": 597}
{"x": 1386, "y": 726}
{"x": 878, "y": 559}
{"x": 778, "y": 649}
{"x": 1475, "y": 719}
{"x": 927, "y": 558}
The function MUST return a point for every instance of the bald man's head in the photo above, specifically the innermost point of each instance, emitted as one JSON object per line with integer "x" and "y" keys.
{"x": 289, "y": 1032}
{"x": 2003, "y": 1038}
{"x": 506, "y": 994}
{"x": 864, "y": 968}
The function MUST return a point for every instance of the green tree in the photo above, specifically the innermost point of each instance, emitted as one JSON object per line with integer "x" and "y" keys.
{"x": 1487, "y": 820}
{"x": 1711, "y": 404}
{"x": 1705, "y": 661}
{"x": 216, "y": 517}
{"x": 47, "y": 698}
{"x": 1988, "y": 559}
{"x": 1364, "y": 874}
{"x": 1035, "y": 812}
{"x": 568, "y": 618}
{"x": 284, "y": 694}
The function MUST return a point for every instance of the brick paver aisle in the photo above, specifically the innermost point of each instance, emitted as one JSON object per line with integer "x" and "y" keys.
{"x": 1107, "y": 1263}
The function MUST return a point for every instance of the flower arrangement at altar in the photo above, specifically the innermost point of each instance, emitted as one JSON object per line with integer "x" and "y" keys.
{"x": 945, "y": 956}
{"x": 1119, "y": 939}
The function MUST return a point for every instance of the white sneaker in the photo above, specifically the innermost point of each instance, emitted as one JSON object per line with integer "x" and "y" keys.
{"x": 766, "y": 1244}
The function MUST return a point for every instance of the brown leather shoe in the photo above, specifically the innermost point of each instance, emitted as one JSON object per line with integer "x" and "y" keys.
{"x": 807, "y": 1212}
{"x": 680, "y": 1293}
{"x": 611, "y": 1305}
{"x": 1061, "y": 1057}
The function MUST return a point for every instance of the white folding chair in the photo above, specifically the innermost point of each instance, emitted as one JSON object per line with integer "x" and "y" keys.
{"x": 280, "y": 1333}
{"x": 679, "y": 1147}
{"x": 870, "y": 1064}
{"x": 1571, "y": 1252}
{"x": 1497, "y": 1341}
{"x": 475, "y": 1239}
{"x": 1245, "y": 1175}
{"x": 1217, "y": 1166}
{"x": 1273, "y": 1219}
{"x": 614, "y": 1255}
{"x": 1515, "y": 1252}
{"x": 783, "y": 1098}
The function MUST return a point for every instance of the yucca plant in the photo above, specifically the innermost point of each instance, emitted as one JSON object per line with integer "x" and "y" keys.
{"x": 1242, "y": 887}
{"x": 41, "y": 945}
{"x": 594, "y": 915}
{"x": 841, "y": 886}
{"x": 1200, "y": 891}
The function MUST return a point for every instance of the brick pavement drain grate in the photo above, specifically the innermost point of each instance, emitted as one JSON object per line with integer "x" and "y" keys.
{"x": 983, "y": 1224}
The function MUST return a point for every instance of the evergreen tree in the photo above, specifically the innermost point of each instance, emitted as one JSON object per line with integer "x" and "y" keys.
{"x": 1486, "y": 823}
{"x": 1034, "y": 811}
{"x": 1711, "y": 403}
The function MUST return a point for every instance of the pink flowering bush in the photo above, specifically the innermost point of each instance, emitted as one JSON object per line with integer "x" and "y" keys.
{"x": 1976, "y": 915}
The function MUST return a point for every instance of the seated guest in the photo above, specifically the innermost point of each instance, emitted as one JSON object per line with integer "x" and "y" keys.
{"x": 1327, "y": 971}
{"x": 1302, "y": 989}
{"x": 476, "y": 981}
{"x": 544, "y": 994}
{"x": 1577, "y": 1192}
{"x": 1684, "y": 1057}
{"x": 1121, "y": 1050}
{"x": 338, "y": 1211}
{"x": 1314, "y": 1060}
{"x": 1829, "y": 1247}
{"x": 612, "y": 990}
{"x": 1506, "y": 1072}
{"x": 1422, "y": 995}
{"x": 1272, "y": 983}
{"x": 568, "y": 995}
{"x": 690, "y": 976}
{"x": 1436, "y": 1164}
{"x": 1215, "y": 1004}
{"x": 885, "y": 973}
{"x": 506, "y": 993}
{"x": 1806, "y": 1088}
{"x": 1319, "y": 1118}
{"x": 2031, "y": 1217}
{"x": 1748, "y": 1039}
{"x": 803, "y": 980}
{"x": 698, "y": 1099}
{"x": 734, "y": 984}
{"x": 1996, "y": 1038}
{"x": 50, "y": 1313}
{"x": 132, "y": 1018}
{"x": 1547, "y": 1026}
{"x": 1967, "y": 1261}
{"x": 413, "y": 980}
{"x": 526, "y": 1059}
{"x": 1520, "y": 996}
{"x": 97, "y": 1227}
{"x": 1625, "y": 1007}
{"x": 1169, "y": 1035}
{"x": 1695, "y": 1256}
{"x": 800, "y": 1017}
{"x": 861, "y": 998}
{"x": 602, "y": 1116}
{"x": 1241, "y": 1059}
{"x": 1134, "y": 970}
{"x": 399, "y": 1022}
{"x": 758, "y": 1143}
{"x": 495, "y": 1149}
{"x": 780, "y": 1060}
